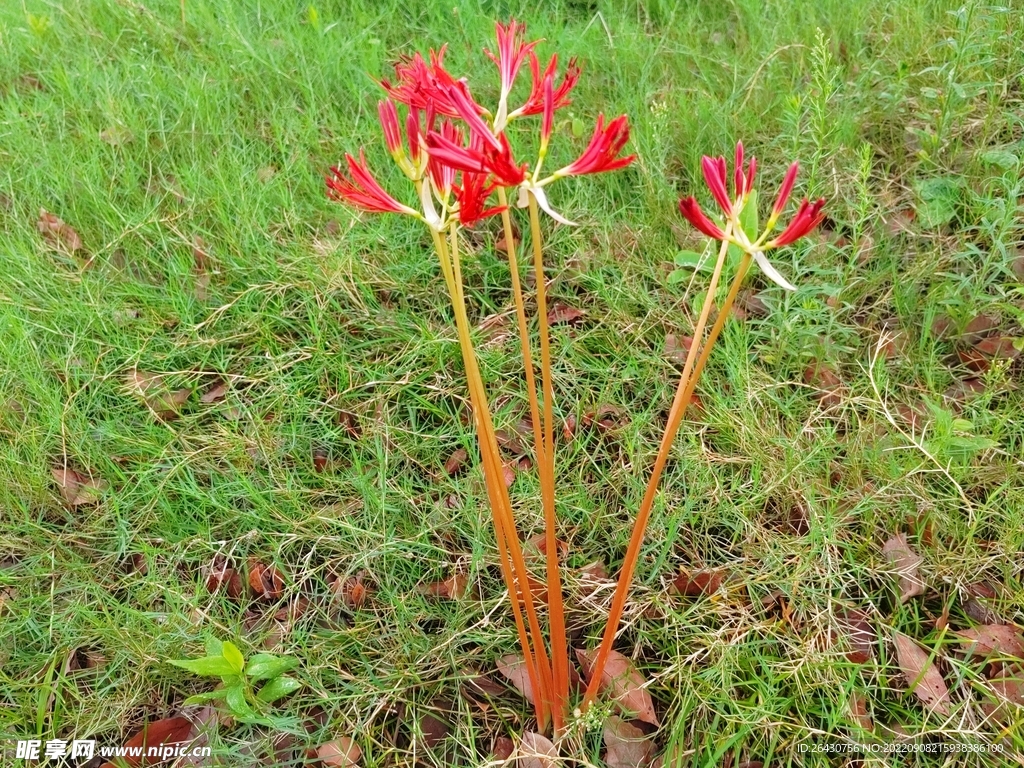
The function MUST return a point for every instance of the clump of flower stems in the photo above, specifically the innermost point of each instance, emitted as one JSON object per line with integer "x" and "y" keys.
{"x": 456, "y": 155}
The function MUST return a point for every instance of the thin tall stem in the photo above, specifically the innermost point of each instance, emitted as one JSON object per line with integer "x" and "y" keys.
{"x": 501, "y": 505}
{"x": 687, "y": 383}
{"x": 556, "y": 611}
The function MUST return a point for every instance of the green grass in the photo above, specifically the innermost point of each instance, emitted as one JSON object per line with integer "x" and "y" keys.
{"x": 337, "y": 340}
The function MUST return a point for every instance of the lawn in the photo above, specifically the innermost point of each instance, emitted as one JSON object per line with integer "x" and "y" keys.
{"x": 231, "y": 408}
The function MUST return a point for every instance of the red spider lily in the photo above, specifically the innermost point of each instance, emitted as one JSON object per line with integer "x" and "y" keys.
{"x": 692, "y": 212}
{"x": 743, "y": 184}
{"x": 548, "y": 120}
{"x": 512, "y": 52}
{"x": 389, "y": 122}
{"x": 442, "y": 175}
{"x": 472, "y": 195}
{"x": 479, "y": 157}
{"x": 421, "y": 85}
{"x": 535, "y": 103}
{"x": 602, "y": 152}
{"x": 360, "y": 190}
{"x": 784, "y": 191}
{"x": 808, "y": 216}
{"x": 714, "y": 177}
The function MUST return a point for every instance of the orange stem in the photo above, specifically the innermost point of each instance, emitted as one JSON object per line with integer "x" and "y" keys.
{"x": 501, "y": 504}
{"x": 687, "y": 383}
{"x": 556, "y": 610}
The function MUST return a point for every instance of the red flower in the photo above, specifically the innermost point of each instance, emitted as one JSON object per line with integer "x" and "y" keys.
{"x": 389, "y": 122}
{"x": 743, "y": 184}
{"x": 784, "y": 191}
{"x": 714, "y": 177}
{"x": 808, "y": 216}
{"x": 692, "y": 212}
{"x": 602, "y": 152}
{"x": 480, "y": 157}
{"x": 442, "y": 175}
{"x": 535, "y": 103}
{"x": 421, "y": 85}
{"x": 472, "y": 196}
{"x": 360, "y": 190}
{"x": 512, "y": 52}
{"x": 548, "y": 120}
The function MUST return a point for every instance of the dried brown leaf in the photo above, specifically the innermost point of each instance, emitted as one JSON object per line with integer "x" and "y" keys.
{"x": 215, "y": 393}
{"x": 697, "y": 583}
{"x": 859, "y": 634}
{"x": 536, "y": 751}
{"x": 77, "y": 488}
{"x": 456, "y": 461}
{"x": 453, "y": 588}
{"x": 514, "y": 669}
{"x": 623, "y": 683}
{"x": 922, "y": 676}
{"x": 564, "y": 314}
{"x": 677, "y": 347}
{"x": 999, "y": 347}
{"x": 627, "y": 745}
{"x": 859, "y": 711}
{"x": 343, "y": 752}
{"x": 898, "y": 552}
{"x": 1002, "y": 639}
{"x": 265, "y": 581}
{"x": 57, "y": 233}
{"x": 168, "y": 732}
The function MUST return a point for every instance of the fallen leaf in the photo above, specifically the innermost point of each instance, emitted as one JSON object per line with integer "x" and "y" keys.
{"x": 898, "y": 552}
{"x": 569, "y": 428}
{"x": 1002, "y": 639}
{"x": 623, "y": 683}
{"x": 343, "y": 752}
{"x": 222, "y": 576}
{"x": 627, "y": 746}
{"x": 564, "y": 314}
{"x": 76, "y": 488}
{"x": 922, "y": 676}
{"x": 980, "y": 326}
{"x": 824, "y": 378}
{"x": 456, "y": 461}
{"x": 964, "y": 390}
{"x": 57, "y": 233}
{"x": 265, "y": 580}
{"x": 514, "y": 668}
{"x": 434, "y": 730}
{"x": 999, "y": 347}
{"x": 859, "y": 711}
{"x": 677, "y": 347}
{"x": 973, "y": 360}
{"x": 607, "y": 418}
{"x": 751, "y": 303}
{"x": 510, "y": 443}
{"x": 535, "y": 751}
{"x": 320, "y": 460}
{"x": 453, "y": 588}
{"x": 508, "y": 472}
{"x": 151, "y": 389}
{"x": 215, "y": 393}
{"x": 1008, "y": 699}
{"x": 697, "y": 583}
{"x": 503, "y": 748}
{"x": 168, "y": 732}
{"x": 351, "y": 590}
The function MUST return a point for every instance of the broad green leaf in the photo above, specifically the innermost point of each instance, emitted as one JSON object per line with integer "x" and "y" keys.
{"x": 577, "y": 127}
{"x": 691, "y": 260}
{"x": 938, "y": 201}
{"x": 278, "y": 688}
{"x": 1000, "y": 158}
{"x": 234, "y": 657}
{"x": 265, "y": 666}
{"x": 677, "y": 276}
{"x": 209, "y": 666}
{"x": 201, "y": 698}
{"x": 214, "y": 647}
{"x": 235, "y": 699}
{"x": 748, "y": 217}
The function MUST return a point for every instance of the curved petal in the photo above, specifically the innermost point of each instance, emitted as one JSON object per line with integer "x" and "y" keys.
{"x": 772, "y": 272}
{"x": 542, "y": 201}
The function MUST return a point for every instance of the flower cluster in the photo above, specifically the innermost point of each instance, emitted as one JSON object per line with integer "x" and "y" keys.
{"x": 716, "y": 173}
{"x": 456, "y": 152}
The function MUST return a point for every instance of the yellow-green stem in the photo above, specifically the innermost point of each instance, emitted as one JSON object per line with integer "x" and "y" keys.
{"x": 501, "y": 507}
{"x": 687, "y": 383}
{"x": 556, "y": 612}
